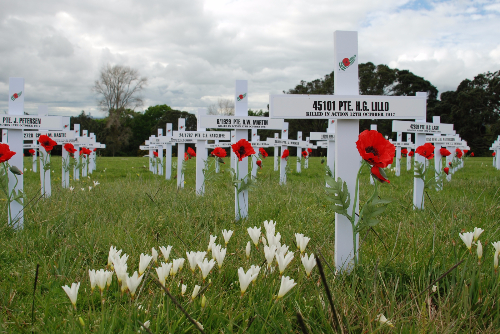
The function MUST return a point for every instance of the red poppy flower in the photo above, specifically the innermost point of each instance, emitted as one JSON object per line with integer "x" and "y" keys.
{"x": 285, "y": 155}
{"x": 32, "y": 151}
{"x": 241, "y": 97}
{"x": 219, "y": 152}
{"x": 411, "y": 153}
{"x": 472, "y": 154}
{"x": 446, "y": 170}
{"x": 346, "y": 61}
{"x": 69, "y": 148}
{"x": 47, "y": 143}
{"x": 191, "y": 152}
{"x": 426, "y": 150}
{"x": 379, "y": 174}
{"x": 186, "y": 156}
{"x": 449, "y": 163}
{"x": 85, "y": 151}
{"x": 5, "y": 153}
{"x": 444, "y": 152}
{"x": 15, "y": 95}
{"x": 259, "y": 163}
{"x": 465, "y": 151}
{"x": 375, "y": 149}
{"x": 304, "y": 154}
{"x": 263, "y": 152}
{"x": 404, "y": 152}
{"x": 459, "y": 153}
{"x": 95, "y": 149}
{"x": 242, "y": 148}
{"x": 493, "y": 154}
{"x": 309, "y": 150}
{"x": 155, "y": 154}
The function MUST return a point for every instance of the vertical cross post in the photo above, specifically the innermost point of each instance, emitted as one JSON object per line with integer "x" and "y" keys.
{"x": 283, "y": 161}
{"x": 299, "y": 152}
{"x": 76, "y": 169}
{"x": 399, "y": 138}
{"x": 180, "y": 154}
{"x": 276, "y": 154}
{"x": 241, "y": 109}
{"x": 418, "y": 184}
{"x": 408, "y": 158}
{"x": 254, "y": 157}
{"x": 201, "y": 156}
{"x": 168, "y": 154}
{"x": 330, "y": 151}
{"x": 161, "y": 168}
{"x": 306, "y": 163}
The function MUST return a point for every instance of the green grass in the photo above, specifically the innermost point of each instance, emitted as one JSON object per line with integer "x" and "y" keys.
{"x": 71, "y": 232}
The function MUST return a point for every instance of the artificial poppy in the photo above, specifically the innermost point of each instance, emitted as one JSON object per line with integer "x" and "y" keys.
{"x": 411, "y": 153}
{"x": 47, "y": 143}
{"x": 95, "y": 149}
{"x": 304, "y": 154}
{"x": 242, "y": 148}
{"x": 263, "y": 152}
{"x": 219, "y": 152}
{"x": 31, "y": 151}
{"x": 285, "y": 155}
{"x": 85, "y": 151}
{"x": 493, "y": 154}
{"x": 449, "y": 163}
{"x": 191, "y": 152}
{"x": 444, "y": 152}
{"x": 259, "y": 163}
{"x": 155, "y": 154}
{"x": 404, "y": 152}
{"x": 69, "y": 148}
{"x": 465, "y": 151}
{"x": 186, "y": 156}
{"x": 309, "y": 150}
{"x": 375, "y": 149}
{"x": 379, "y": 174}
{"x": 459, "y": 153}
{"x": 5, "y": 153}
{"x": 426, "y": 150}
{"x": 472, "y": 154}
{"x": 446, "y": 170}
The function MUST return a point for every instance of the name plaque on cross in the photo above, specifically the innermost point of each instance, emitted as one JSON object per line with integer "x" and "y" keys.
{"x": 197, "y": 135}
{"x": 322, "y": 136}
{"x": 443, "y": 140}
{"x": 402, "y": 144}
{"x": 31, "y": 122}
{"x": 346, "y": 106}
{"x": 421, "y": 127}
{"x": 58, "y": 136}
{"x": 240, "y": 122}
{"x": 221, "y": 145}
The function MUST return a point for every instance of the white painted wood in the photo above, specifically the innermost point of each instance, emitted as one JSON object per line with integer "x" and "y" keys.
{"x": 299, "y": 153}
{"x": 45, "y": 181}
{"x": 76, "y": 170}
{"x": 438, "y": 163}
{"x": 168, "y": 153}
{"x": 254, "y": 157}
{"x": 232, "y": 155}
{"x": 283, "y": 162}
{"x": 160, "y": 166}
{"x": 399, "y": 138}
{"x": 408, "y": 158}
{"x": 180, "y": 154}
{"x": 201, "y": 155}
{"x": 306, "y": 163}
{"x": 241, "y": 109}
{"x": 418, "y": 184}
{"x": 330, "y": 151}
{"x": 85, "y": 133}
{"x": 276, "y": 154}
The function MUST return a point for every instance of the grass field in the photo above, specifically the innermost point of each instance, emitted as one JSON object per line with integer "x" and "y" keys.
{"x": 72, "y": 231}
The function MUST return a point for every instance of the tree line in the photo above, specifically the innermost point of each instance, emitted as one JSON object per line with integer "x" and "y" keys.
{"x": 473, "y": 108}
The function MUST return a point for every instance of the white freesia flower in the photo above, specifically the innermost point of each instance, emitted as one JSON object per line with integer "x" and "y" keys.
{"x": 92, "y": 279}
{"x": 165, "y": 252}
{"x": 83, "y": 189}
{"x": 269, "y": 253}
{"x": 211, "y": 242}
{"x": 383, "y": 320}
{"x": 101, "y": 278}
{"x": 264, "y": 241}
{"x": 109, "y": 278}
{"x": 133, "y": 282}
{"x": 247, "y": 250}
{"x": 283, "y": 249}
{"x": 227, "y": 235}
{"x": 90, "y": 188}
{"x": 121, "y": 271}
{"x": 309, "y": 263}
{"x": 72, "y": 292}
{"x": 144, "y": 261}
{"x": 479, "y": 250}
{"x": 283, "y": 261}
{"x": 477, "y": 233}
{"x": 183, "y": 289}
{"x": 113, "y": 253}
{"x": 176, "y": 265}
{"x": 274, "y": 239}
{"x": 163, "y": 272}
{"x": 71, "y": 188}
{"x": 496, "y": 245}
{"x": 286, "y": 284}
{"x": 193, "y": 258}
{"x": 434, "y": 288}
{"x": 303, "y": 243}
{"x": 154, "y": 254}
{"x": 254, "y": 234}
{"x": 96, "y": 183}
{"x": 467, "y": 238}
{"x": 205, "y": 267}
{"x": 245, "y": 279}
{"x": 195, "y": 292}
{"x": 270, "y": 227}
{"x": 220, "y": 254}
{"x": 298, "y": 238}
{"x": 255, "y": 272}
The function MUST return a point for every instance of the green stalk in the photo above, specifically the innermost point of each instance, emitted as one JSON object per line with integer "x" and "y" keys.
{"x": 353, "y": 216}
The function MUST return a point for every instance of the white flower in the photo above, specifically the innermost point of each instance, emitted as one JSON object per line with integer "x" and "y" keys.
{"x": 264, "y": 241}
{"x": 90, "y": 188}
{"x": 283, "y": 261}
{"x": 183, "y": 289}
{"x": 269, "y": 253}
{"x": 144, "y": 261}
{"x": 199, "y": 325}
{"x": 147, "y": 323}
{"x": 194, "y": 258}
{"x": 286, "y": 284}
{"x": 245, "y": 279}
{"x": 121, "y": 271}
{"x": 133, "y": 282}
{"x": 195, "y": 292}
{"x": 298, "y": 238}
{"x": 205, "y": 267}
{"x": 72, "y": 292}
{"x": 467, "y": 238}
{"x": 176, "y": 265}
{"x": 109, "y": 278}
{"x": 303, "y": 243}
{"x": 96, "y": 183}
{"x": 479, "y": 250}
{"x": 434, "y": 288}
{"x": 274, "y": 239}
{"x": 112, "y": 254}
{"x": 247, "y": 250}
{"x": 283, "y": 249}
{"x": 83, "y": 189}
{"x": 495, "y": 261}
{"x": 383, "y": 320}
{"x": 270, "y": 227}
{"x": 255, "y": 272}
{"x": 163, "y": 272}
{"x": 211, "y": 242}
{"x": 227, "y": 235}
{"x": 92, "y": 279}
{"x": 166, "y": 252}
{"x": 101, "y": 278}
{"x": 220, "y": 254}
{"x": 71, "y": 188}
{"x": 477, "y": 233}
{"x": 154, "y": 254}
{"x": 124, "y": 286}
{"x": 309, "y": 263}
{"x": 496, "y": 245}
{"x": 254, "y": 234}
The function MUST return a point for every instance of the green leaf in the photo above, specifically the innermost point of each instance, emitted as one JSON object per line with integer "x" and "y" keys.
{"x": 338, "y": 193}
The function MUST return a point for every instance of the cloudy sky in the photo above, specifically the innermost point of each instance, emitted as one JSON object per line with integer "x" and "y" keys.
{"x": 192, "y": 51}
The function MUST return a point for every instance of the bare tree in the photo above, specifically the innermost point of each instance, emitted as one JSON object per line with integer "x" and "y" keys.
{"x": 118, "y": 88}
{"x": 223, "y": 107}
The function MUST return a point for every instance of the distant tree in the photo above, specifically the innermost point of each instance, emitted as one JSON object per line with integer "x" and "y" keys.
{"x": 119, "y": 87}
{"x": 223, "y": 107}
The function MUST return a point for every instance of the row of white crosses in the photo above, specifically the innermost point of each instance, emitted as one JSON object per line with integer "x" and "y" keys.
{"x": 495, "y": 147}
{"x": 347, "y": 107}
